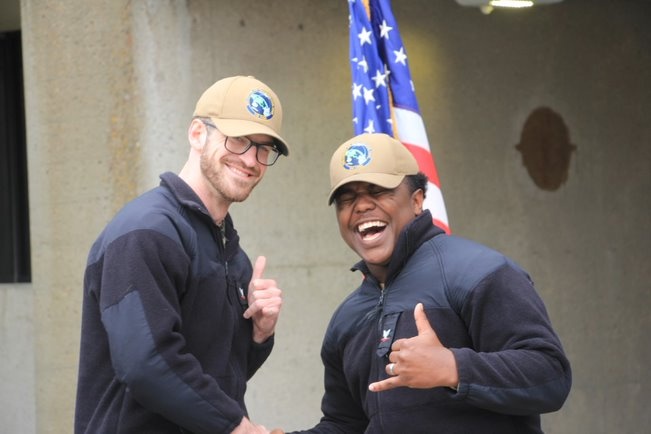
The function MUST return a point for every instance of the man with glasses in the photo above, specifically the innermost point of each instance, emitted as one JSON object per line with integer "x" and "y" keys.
{"x": 175, "y": 317}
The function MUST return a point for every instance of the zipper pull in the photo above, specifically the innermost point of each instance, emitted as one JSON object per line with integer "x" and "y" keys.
{"x": 380, "y": 304}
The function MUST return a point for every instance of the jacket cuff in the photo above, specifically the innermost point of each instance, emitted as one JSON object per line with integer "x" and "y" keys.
{"x": 464, "y": 375}
{"x": 264, "y": 346}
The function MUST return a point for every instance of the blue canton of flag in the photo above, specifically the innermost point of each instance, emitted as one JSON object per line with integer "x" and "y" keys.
{"x": 379, "y": 67}
{"x": 384, "y": 100}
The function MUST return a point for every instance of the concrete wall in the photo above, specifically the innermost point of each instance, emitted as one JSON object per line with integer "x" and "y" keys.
{"x": 110, "y": 88}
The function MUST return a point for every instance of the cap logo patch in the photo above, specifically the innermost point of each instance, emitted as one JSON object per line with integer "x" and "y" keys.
{"x": 260, "y": 105}
{"x": 357, "y": 155}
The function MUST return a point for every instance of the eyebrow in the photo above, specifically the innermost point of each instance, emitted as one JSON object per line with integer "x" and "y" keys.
{"x": 341, "y": 190}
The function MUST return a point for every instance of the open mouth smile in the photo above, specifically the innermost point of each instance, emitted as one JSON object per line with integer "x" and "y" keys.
{"x": 371, "y": 230}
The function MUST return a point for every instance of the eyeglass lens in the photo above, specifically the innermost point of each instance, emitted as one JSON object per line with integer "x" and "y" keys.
{"x": 265, "y": 154}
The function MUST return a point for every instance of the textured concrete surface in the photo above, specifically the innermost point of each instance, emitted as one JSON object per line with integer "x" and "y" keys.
{"x": 110, "y": 89}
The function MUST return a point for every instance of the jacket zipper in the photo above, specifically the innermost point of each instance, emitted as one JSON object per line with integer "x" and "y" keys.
{"x": 380, "y": 367}
{"x": 221, "y": 237}
{"x": 380, "y": 308}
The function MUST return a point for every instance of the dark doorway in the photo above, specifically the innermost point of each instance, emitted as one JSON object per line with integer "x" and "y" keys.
{"x": 15, "y": 263}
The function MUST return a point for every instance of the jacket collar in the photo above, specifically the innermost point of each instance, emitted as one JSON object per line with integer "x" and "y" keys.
{"x": 413, "y": 235}
{"x": 186, "y": 196}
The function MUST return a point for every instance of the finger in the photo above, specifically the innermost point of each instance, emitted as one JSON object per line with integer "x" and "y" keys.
{"x": 258, "y": 268}
{"x": 422, "y": 323}
{"x": 390, "y": 369}
{"x": 397, "y": 344}
{"x": 250, "y": 311}
{"x": 389, "y": 383}
{"x": 263, "y": 299}
{"x": 262, "y": 283}
{"x": 253, "y": 309}
{"x": 268, "y": 307}
{"x": 264, "y": 289}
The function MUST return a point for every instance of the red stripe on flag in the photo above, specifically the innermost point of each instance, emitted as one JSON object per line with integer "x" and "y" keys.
{"x": 425, "y": 163}
{"x": 442, "y": 225}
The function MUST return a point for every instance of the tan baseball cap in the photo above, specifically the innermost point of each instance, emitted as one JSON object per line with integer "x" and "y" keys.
{"x": 241, "y": 106}
{"x": 374, "y": 158}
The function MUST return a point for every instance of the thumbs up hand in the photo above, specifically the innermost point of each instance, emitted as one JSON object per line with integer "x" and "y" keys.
{"x": 421, "y": 362}
{"x": 265, "y": 301}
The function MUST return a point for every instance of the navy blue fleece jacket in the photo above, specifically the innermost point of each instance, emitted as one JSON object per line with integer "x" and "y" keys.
{"x": 164, "y": 346}
{"x": 482, "y": 306}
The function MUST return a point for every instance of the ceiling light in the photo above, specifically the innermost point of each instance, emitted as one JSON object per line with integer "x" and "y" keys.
{"x": 487, "y": 6}
{"x": 511, "y": 3}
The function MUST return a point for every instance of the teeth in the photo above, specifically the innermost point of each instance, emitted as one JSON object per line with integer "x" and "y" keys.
{"x": 239, "y": 171}
{"x": 373, "y": 224}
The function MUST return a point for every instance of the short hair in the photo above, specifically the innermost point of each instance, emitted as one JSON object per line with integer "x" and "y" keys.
{"x": 206, "y": 121}
{"x": 416, "y": 182}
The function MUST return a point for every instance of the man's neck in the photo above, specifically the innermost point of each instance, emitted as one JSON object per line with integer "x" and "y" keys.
{"x": 216, "y": 205}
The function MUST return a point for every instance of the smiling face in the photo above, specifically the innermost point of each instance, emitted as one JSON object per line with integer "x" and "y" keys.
{"x": 231, "y": 176}
{"x": 371, "y": 218}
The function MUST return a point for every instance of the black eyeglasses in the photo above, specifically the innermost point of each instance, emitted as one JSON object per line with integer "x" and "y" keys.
{"x": 266, "y": 154}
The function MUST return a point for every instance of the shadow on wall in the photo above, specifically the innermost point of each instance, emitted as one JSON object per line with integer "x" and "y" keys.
{"x": 546, "y": 149}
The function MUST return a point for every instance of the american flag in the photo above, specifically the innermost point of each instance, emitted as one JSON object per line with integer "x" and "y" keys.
{"x": 384, "y": 99}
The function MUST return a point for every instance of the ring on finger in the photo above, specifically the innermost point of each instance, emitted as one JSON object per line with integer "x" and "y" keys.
{"x": 391, "y": 367}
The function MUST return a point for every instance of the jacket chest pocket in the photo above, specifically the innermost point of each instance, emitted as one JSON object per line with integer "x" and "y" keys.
{"x": 237, "y": 293}
{"x": 387, "y": 333}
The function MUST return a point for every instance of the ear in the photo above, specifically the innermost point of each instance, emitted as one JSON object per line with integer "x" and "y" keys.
{"x": 197, "y": 135}
{"x": 417, "y": 199}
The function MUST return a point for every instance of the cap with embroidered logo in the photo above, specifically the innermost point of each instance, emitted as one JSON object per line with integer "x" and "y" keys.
{"x": 241, "y": 106}
{"x": 374, "y": 158}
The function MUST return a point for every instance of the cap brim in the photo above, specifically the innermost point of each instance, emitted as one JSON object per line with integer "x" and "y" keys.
{"x": 240, "y": 128}
{"x": 382, "y": 179}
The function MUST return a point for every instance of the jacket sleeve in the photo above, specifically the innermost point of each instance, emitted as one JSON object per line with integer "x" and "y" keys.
{"x": 517, "y": 364}
{"x": 139, "y": 304}
{"x": 258, "y": 355}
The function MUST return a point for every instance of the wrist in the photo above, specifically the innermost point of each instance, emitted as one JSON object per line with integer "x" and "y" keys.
{"x": 454, "y": 381}
{"x": 260, "y": 337}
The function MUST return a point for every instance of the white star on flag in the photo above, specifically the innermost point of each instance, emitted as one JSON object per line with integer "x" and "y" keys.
{"x": 357, "y": 90}
{"x": 380, "y": 79}
{"x": 401, "y": 57}
{"x": 363, "y": 64}
{"x": 385, "y": 29}
{"x": 368, "y": 95}
{"x": 365, "y": 37}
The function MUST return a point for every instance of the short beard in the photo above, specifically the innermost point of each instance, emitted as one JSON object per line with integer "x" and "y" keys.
{"x": 218, "y": 182}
